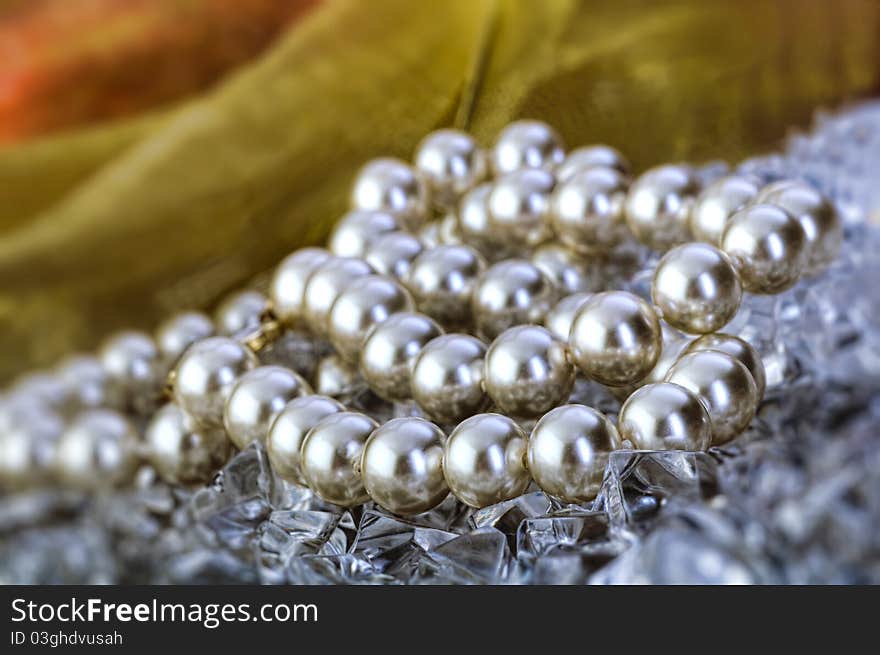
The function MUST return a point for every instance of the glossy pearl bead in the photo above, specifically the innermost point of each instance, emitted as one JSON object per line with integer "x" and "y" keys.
{"x": 393, "y": 254}
{"x": 586, "y": 211}
{"x": 816, "y": 214}
{"x": 391, "y": 185}
{"x": 527, "y": 372}
{"x": 568, "y": 450}
{"x": 560, "y": 317}
{"x": 718, "y": 202}
{"x": 390, "y": 349}
{"x": 441, "y": 281}
{"x": 447, "y": 378}
{"x": 527, "y": 144}
{"x": 181, "y": 452}
{"x": 132, "y": 362}
{"x": 597, "y": 156}
{"x": 99, "y": 449}
{"x": 658, "y": 204}
{"x": 206, "y": 374}
{"x": 696, "y": 288}
{"x": 768, "y": 246}
{"x": 724, "y": 386}
{"x": 519, "y": 207}
{"x": 665, "y": 416}
{"x": 355, "y": 231}
{"x": 241, "y": 313}
{"x": 288, "y": 284}
{"x": 484, "y": 462}
{"x": 737, "y": 348}
{"x": 452, "y": 163}
{"x": 181, "y": 331}
{"x": 366, "y": 302}
{"x": 615, "y": 338}
{"x": 335, "y": 377}
{"x": 402, "y": 466}
{"x": 325, "y": 284}
{"x": 256, "y": 399}
{"x": 330, "y": 457}
{"x": 511, "y": 293}
{"x": 567, "y": 270}
{"x": 474, "y": 225}
{"x": 673, "y": 346}
{"x": 90, "y": 384}
{"x": 289, "y": 430}
{"x": 28, "y": 446}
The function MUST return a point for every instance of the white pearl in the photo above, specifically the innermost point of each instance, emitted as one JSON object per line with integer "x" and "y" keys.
{"x": 389, "y": 184}
{"x": 181, "y": 452}
{"x": 256, "y": 399}
{"x": 519, "y": 208}
{"x": 559, "y": 318}
{"x": 568, "y": 451}
{"x": 289, "y": 429}
{"x": 441, "y": 281}
{"x": 527, "y": 372}
{"x": 718, "y": 202}
{"x": 475, "y": 227}
{"x": 45, "y": 388}
{"x": 355, "y": 231}
{"x": 206, "y": 374}
{"x": 484, "y": 462}
{"x": 658, "y": 205}
{"x": 674, "y": 344}
{"x": 452, "y": 163}
{"x": 393, "y": 254}
{"x": 325, "y": 284}
{"x": 665, "y": 416}
{"x": 131, "y": 360}
{"x": 240, "y": 313}
{"x": 366, "y": 302}
{"x": 402, "y": 466}
{"x": 99, "y": 449}
{"x": 288, "y": 284}
{"x": 587, "y": 210}
{"x": 737, "y": 348}
{"x": 510, "y": 293}
{"x": 447, "y": 377}
{"x": 180, "y": 331}
{"x": 527, "y": 144}
{"x": 330, "y": 457}
{"x": 28, "y": 446}
{"x": 335, "y": 377}
{"x": 89, "y": 382}
{"x": 596, "y": 156}
{"x": 568, "y": 271}
{"x": 390, "y": 349}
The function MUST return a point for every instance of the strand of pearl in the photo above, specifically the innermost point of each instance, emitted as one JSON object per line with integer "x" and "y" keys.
{"x": 362, "y": 294}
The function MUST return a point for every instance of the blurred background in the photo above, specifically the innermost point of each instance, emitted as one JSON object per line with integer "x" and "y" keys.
{"x": 157, "y": 154}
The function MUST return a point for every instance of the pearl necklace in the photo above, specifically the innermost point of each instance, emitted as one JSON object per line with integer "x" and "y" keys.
{"x": 396, "y": 297}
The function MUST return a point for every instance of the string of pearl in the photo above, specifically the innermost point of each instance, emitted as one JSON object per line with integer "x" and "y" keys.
{"x": 753, "y": 238}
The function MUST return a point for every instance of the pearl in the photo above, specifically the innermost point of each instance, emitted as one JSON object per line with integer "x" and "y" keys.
{"x": 390, "y": 349}
{"x": 474, "y": 225}
{"x": 718, "y": 202}
{"x": 240, "y": 313}
{"x": 357, "y": 229}
{"x": 402, "y": 466}
{"x": 391, "y": 185}
{"x": 393, "y": 254}
{"x": 597, "y": 156}
{"x": 527, "y": 372}
{"x": 442, "y": 279}
{"x": 696, "y": 288}
{"x": 180, "y": 331}
{"x": 325, "y": 284}
{"x": 484, "y": 462}
{"x": 737, "y": 348}
{"x": 559, "y": 318}
{"x": 256, "y": 399}
{"x": 658, "y": 204}
{"x": 568, "y": 450}
{"x": 366, "y": 302}
{"x": 768, "y": 246}
{"x": 288, "y": 284}
{"x": 44, "y": 388}
{"x": 615, "y": 338}
{"x": 98, "y": 449}
{"x": 673, "y": 346}
{"x": 510, "y": 293}
{"x": 586, "y": 211}
{"x": 519, "y": 208}
{"x": 289, "y": 429}
{"x": 447, "y": 377}
{"x": 527, "y": 144}
{"x": 89, "y": 382}
{"x": 724, "y": 386}
{"x": 181, "y": 452}
{"x": 448, "y": 233}
{"x": 330, "y": 457}
{"x": 205, "y": 375}
{"x": 335, "y": 377}
{"x": 28, "y": 446}
{"x": 452, "y": 163}
{"x": 567, "y": 270}
{"x": 665, "y": 416}
{"x": 816, "y": 214}
{"x": 131, "y": 360}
